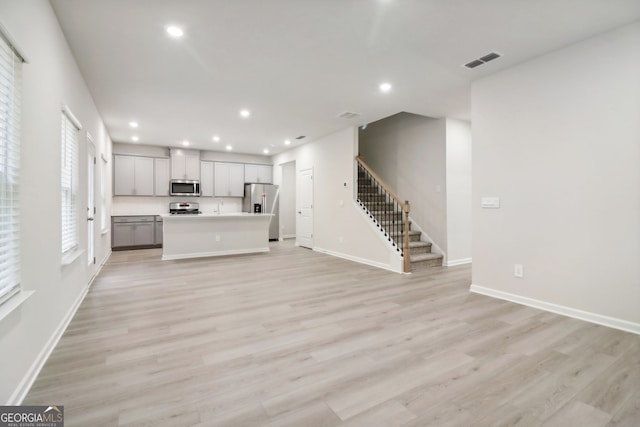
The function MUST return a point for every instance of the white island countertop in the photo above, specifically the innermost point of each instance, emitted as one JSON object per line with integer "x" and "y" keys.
{"x": 217, "y": 215}
{"x": 214, "y": 234}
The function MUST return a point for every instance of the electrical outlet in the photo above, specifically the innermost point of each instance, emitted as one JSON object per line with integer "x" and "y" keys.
{"x": 217, "y": 237}
{"x": 518, "y": 270}
{"x": 340, "y": 239}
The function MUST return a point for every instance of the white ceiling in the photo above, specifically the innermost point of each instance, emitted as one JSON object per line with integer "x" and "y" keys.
{"x": 297, "y": 64}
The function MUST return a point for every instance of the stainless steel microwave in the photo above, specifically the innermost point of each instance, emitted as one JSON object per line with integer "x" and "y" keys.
{"x": 181, "y": 187}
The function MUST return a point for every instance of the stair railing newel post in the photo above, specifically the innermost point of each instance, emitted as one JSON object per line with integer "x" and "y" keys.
{"x": 406, "y": 255}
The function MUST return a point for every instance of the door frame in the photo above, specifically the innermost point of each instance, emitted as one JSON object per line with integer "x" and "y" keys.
{"x": 91, "y": 203}
{"x": 307, "y": 242}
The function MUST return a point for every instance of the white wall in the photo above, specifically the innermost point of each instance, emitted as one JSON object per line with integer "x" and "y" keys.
{"x": 50, "y": 79}
{"x": 458, "y": 191}
{"x": 288, "y": 200}
{"x": 558, "y": 140}
{"x": 335, "y": 213}
{"x": 409, "y": 153}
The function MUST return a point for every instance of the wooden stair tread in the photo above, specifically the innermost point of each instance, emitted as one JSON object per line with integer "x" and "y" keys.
{"x": 390, "y": 219}
{"x": 425, "y": 257}
{"x": 411, "y": 233}
{"x": 418, "y": 244}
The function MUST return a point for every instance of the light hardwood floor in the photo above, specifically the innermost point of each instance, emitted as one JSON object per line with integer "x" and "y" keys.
{"x": 298, "y": 338}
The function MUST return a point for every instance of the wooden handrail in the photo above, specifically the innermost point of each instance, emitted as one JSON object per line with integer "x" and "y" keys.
{"x": 381, "y": 182}
{"x": 405, "y": 209}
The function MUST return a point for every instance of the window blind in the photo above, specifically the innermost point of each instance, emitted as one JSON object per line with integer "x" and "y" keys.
{"x": 10, "y": 96}
{"x": 69, "y": 180}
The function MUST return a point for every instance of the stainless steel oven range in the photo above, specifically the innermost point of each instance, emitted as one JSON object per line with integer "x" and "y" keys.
{"x": 184, "y": 208}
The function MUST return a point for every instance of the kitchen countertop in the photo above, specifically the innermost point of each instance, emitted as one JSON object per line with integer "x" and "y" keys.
{"x": 216, "y": 215}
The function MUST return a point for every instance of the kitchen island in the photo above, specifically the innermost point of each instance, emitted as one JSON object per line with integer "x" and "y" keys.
{"x": 206, "y": 235}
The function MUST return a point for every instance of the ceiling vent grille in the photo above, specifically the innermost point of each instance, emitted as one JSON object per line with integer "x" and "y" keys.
{"x": 300, "y": 137}
{"x": 482, "y": 60}
{"x": 347, "y": 115}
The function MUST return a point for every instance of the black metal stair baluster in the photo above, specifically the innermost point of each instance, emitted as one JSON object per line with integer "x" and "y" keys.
{"x": 382, "y": 207}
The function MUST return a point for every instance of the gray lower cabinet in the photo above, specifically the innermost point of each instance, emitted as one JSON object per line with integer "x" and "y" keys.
{"x": 158, "y": 235}
{"x": 133, "y": 231}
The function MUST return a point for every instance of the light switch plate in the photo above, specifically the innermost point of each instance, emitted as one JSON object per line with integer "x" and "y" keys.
{"x": 490, "y": 202}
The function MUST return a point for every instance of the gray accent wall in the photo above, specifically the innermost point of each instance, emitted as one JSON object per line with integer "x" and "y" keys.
{"x": 408, "y": 152}
{"x": 428, "y": 162}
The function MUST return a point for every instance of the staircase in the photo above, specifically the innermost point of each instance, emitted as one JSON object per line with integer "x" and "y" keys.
{"x": 385, "y": 210}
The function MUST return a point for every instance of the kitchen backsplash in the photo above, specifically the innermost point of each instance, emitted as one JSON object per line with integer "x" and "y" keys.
{"x": 131, "y": 205}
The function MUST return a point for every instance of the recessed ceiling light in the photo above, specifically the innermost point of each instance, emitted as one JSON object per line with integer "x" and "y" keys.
{"x": 265, "y": 151}
{"x": 175, "y": 32}
{"x": 287, "y": 142}
{"x": 229, "y": 148}
{"x": 385, "y": 87}
{"x": 245, "y": 113}
{"x": 135, "y": 138}
{"x": 185, "y": 143}
{"x": 133, "y": 124}
{"x": 216, "y": 138}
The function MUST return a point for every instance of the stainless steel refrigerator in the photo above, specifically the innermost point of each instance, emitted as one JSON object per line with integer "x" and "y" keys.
{"x": 263, "y": 198}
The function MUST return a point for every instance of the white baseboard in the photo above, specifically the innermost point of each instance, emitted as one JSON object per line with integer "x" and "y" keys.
{"x": 611, "y": 322}
{"x": 460, "y": 261}
{"x": 215, "y": 253}
{"x": 102, "y": 263}
{"x": 288, "y": 236}
{"x": 34, "y": 370}
{"x": 356, "y": 259}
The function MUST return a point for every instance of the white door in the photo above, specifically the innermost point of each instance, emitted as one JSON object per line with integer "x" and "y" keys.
{"x": 304, "y": 222}
{"x": 91, "y": 201}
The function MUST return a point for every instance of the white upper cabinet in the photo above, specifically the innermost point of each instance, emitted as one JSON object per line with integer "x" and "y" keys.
{"x": 162, "y": 177}
{"x": 229, "y": 179}
{"x": 262, "y": 174}
{"x": 236, "y": 180}
{"x": 185, "y": 164}
{"x": 206, "y": 179}
{"x": 133, "y": 176}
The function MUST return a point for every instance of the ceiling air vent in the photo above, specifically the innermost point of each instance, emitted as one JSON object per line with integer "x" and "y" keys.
{"x": 300, "y": 137}
{"x": 490, "y": 57}
{"x": 482, "y": 60}
{"x": 473, "y": 64}
{"x": 347, "y": 115}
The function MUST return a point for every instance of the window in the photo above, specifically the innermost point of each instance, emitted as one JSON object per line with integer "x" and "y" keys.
{"x": 10, "y": 85}
{"x": 69, "y": 181}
